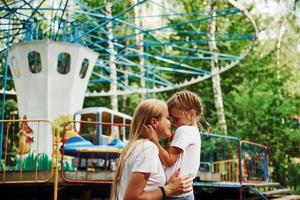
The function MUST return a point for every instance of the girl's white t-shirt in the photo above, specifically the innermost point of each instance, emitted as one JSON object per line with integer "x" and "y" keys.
{"x": 188, "y": 139}
{"x": 144, "y": 158}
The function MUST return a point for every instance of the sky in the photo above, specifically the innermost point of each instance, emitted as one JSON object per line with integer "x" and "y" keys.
{"x": 274, "y": 10}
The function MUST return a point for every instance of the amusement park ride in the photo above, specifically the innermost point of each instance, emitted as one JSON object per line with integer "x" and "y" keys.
{"x": 54, "y": 53}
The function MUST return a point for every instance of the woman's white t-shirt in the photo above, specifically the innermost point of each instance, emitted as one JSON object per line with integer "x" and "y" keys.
{"x": 144, "y": 158}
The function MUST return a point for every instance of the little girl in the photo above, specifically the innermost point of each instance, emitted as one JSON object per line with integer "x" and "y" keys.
{"x": 186, "y": 110}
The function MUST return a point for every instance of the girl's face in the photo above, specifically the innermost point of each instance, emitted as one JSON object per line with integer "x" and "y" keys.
{"x": 180, "y": 119}
{"x": 163, "y": 128}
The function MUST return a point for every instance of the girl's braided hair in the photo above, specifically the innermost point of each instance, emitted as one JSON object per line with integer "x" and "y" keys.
{"x": 185, "y": 101}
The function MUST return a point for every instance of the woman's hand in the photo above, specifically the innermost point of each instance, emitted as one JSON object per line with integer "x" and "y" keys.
{"x": 149, "y": 133}
{"x": 178, "y": 184}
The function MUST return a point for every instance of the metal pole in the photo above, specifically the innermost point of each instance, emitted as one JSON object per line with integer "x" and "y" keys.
{"x": 4, "y": 88}
{"x": 55, "y": 151}
{"x": 147, "y": 66}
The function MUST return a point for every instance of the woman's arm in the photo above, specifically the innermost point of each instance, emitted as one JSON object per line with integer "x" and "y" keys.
{"x": 136, "y": 185}
{"x": 137, "y": 182}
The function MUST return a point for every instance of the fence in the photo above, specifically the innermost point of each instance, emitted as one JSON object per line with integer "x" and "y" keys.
{"x": 34, "y": 151}
{"x": 25, "y": 155}
{"x": 229, "y": 159}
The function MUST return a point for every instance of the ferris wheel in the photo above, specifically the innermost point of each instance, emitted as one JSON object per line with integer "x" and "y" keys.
{"x": 144, "y": 46}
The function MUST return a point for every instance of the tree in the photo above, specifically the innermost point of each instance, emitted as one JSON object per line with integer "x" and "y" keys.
{"x": 216, "y": 80}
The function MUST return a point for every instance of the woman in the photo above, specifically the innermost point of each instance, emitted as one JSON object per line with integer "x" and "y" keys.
{"x": 140, "y": 174}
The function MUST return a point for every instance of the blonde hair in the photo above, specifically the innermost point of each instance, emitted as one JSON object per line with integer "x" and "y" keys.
{"x": 185, "y": 101}
{"x": 143, "y": 114}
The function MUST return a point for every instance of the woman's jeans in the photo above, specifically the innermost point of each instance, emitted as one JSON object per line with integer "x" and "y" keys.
{"x": 188, "y": 197}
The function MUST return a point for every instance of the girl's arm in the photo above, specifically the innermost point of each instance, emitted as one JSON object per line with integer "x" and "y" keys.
{"x": 168, "y": 158}
{"x": 137, "y": 182}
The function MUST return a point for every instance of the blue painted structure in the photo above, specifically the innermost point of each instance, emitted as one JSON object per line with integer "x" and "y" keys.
{"x": 79, "y": 147}
{"x": 168, "y": 50}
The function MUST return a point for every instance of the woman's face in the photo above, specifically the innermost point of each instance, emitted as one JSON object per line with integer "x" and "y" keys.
{"x": 163, "y": 128}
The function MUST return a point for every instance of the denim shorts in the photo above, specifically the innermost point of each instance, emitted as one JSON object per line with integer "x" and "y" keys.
{"x": 188, "y": 197}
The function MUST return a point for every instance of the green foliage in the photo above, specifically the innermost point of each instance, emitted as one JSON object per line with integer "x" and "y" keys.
{"x": 259, "y": 97}
{"x": 41, "y": 162}
{"x": 293, "y": 181}
{"x": 59, "y": 123}
{"x": 67, "y": 164}
{"x": 11, "y": 108}
{"x": 260, "y": 110}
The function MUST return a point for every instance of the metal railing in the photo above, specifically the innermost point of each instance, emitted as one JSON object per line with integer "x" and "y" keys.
{"x": 83, "y": 153}
{"x": 254, "y": 162}
{"x": 91, "y": 153}
{"x": 231, "y": 160}
{"x": 24, "y": 158}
